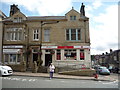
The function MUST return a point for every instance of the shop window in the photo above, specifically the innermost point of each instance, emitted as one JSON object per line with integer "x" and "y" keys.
{"x": 58, "y": 54}
{"x": 12, "y": 58}
{"x": 6, "y": 58}
{"x": 82, "y": 55}
{"x": 70, "y": 54}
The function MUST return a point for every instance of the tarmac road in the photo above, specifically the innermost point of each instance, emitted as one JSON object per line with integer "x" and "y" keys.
{"x": 44, "y": 82}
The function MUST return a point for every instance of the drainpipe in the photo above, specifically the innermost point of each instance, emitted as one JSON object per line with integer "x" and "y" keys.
{"x": 3, "y": 29}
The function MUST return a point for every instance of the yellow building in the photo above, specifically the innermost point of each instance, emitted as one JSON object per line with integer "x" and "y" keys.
{"x": 62, "y": 40}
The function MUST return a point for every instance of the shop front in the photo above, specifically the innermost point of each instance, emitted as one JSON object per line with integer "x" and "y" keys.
{"x": 12, "y": 54}
{"x": 63, "y": 55}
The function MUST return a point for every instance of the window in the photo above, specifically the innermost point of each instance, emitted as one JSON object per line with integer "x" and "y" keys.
{"x": 17, "y": 19}
{"x": 6, "y": 58}
{"x": 73, "y": 34}
{"x": 58, "y": 54}
{"x": 70, "y": 54}
{"x": 72, "y": 17}
{"x": 46, "y": 35}
{"x": 13, "y": 34}
{"x": 82, "y": 54}
{"x": 12, "y": 58}
{"x": 36, "y": 34}
{"x": 35, "y": 50}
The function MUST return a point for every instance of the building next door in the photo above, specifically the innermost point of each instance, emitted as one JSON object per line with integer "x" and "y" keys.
{"x": 48, "y": 59}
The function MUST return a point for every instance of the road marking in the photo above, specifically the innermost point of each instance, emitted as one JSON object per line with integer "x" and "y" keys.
{"x": 32, "y": 80}
{"x": 24, "y": 79}
{"x": 62, "y": 81}
{"x": 111, "y": 82}
{"x": 9, "y": 78}
{"x": 15, "y": 79}
{"x": 18, "y": 79}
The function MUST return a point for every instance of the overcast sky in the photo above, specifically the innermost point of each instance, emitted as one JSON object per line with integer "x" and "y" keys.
{"x": 103, "y": 16}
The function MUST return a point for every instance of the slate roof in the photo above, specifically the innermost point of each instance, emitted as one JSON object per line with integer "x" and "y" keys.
{"x": 45, "y": 17}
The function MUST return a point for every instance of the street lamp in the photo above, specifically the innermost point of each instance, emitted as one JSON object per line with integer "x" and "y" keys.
{"x": 40, "y": 52}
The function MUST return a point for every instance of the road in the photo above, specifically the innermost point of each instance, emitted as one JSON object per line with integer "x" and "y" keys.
{"x": 41, "y": 82}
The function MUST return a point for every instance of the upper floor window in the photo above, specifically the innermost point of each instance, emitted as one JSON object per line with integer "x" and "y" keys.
{"x": 47, "y": 35}
{"x": 36, "y": 34}
{"x": 72, "y": 17}
{"x": 13, "y": 34}
{"x": 73, "y": 34}
{"x": 17, "y": 19}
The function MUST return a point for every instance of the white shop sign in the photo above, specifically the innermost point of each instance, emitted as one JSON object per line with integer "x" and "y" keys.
{"x": 11, "y": 50}
{"x": 77, "y": 47}
{"x": 12, "y": 46}
{"x": 81, "y": 46}
{"x": 86, "y": 47}
{"x": 48, "y": 47}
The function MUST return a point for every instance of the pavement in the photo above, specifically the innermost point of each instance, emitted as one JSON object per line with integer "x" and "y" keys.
{"x": 112, "y": 77}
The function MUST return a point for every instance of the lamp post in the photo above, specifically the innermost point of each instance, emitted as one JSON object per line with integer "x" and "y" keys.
{"x": 40, "y": 52}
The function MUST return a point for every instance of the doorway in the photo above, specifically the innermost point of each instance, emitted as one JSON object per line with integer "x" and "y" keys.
{"x": 35, "y": 57}
{"x": 48, "y": 59}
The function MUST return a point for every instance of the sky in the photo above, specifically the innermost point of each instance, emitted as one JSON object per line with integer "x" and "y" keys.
{"x": 103, "y": 17}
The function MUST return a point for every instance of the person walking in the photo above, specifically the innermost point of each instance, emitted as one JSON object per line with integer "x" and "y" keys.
{"x": 52, "y": 68}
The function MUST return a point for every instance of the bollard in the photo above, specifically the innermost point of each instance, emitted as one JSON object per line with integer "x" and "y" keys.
{"x": 96, "y": 76}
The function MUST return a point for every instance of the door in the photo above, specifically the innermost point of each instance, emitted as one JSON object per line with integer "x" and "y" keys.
{"x": 48, "y": 59}
{"x": 35, "y": 57}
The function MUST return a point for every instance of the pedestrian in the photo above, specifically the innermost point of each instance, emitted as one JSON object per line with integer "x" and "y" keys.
{"x": 51, "y": 68}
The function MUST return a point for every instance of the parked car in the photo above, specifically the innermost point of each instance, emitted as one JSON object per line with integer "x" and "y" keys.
{"x": 5, "y": 70}
{"x": 115, "y": 70}
{"x": 103, "y": 70}
{"x": 96, "y": 67}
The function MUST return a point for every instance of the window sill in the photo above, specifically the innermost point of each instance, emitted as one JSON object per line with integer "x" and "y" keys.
{"x": 36, "y": 40}
{"x": 69, "y": 60}
{"x": 73, "y": 41}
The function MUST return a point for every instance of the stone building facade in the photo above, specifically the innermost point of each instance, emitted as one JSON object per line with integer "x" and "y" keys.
{"x": 62, "y": 40}
{"x": 2, "y": 16}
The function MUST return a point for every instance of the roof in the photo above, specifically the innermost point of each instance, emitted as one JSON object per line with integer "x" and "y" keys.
{"x": 2, "y": 14}
{"x": 45, "y": 17}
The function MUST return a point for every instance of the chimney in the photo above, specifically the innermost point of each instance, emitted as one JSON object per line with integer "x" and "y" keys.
{"x": 110, "y": 50}
{"x": 103, "y": 54}
{"x": 13, "y": 9}
{"x": 82, "y": 10}
{"x": 106, "y": 53}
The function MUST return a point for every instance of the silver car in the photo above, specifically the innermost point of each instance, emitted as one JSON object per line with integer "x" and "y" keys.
{"x": 103, "y": 70}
